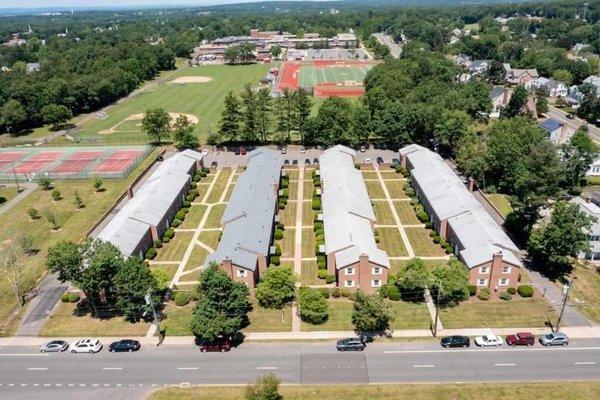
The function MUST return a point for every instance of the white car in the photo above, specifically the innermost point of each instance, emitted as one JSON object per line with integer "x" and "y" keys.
{"x": 204, "y": 152}
{"x": 86, "y": 346}
{"x": 488, "y": 340}
{"x": 367, "y": 161}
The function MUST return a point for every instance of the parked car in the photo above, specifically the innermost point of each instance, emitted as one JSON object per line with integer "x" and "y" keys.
{"x": 455, "y": 341}
{"x": 160, "y": 157}
{"x": 294, "y": 162}
{"x": 488, "y": 340}
{"x": 222, "y": 345}
{"x": 214, "y": 164}
{"x": 307, "y": 161}
{"x": 367, "y": 161}
{"x": 302, "y": 150}
{"x": 86, "y": 346}
{"x": 204, "y": 152}
{"x": 54, "y": 346}
{"x": 520, "y": 339}
{"x": 124, "y": 345}
{"x": 350, "y": 344}
{"x": 570, "y": 116}
{"x": 554, "y": 339}
{"x": 362, "y": 149}
{"x": 283, "y": 150}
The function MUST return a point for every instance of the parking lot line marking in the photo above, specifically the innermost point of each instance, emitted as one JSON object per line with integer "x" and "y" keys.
{"x": 495, "y": 350}
{"x": 37, "y": 369}
{"x": 112, "y": 368}
{"x": 267, "y": 368}
{"x": 187, "y": 368}
{"x": 504, "y": 364}
{"x": 423, "y": 366}
{"x": 585, "y": 363}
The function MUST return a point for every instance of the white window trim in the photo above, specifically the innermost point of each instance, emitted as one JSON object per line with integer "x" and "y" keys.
{"x": 350, "y": 271}
{"x": 376, "y": 269}
{"x": 508, "y": 269}
{"x": 484, "y": 270}
{"x": 503, "y": 284}
{"x": 241, "y": 273}
{"x": 376, "y": 283}
{"x": 484, "y": 283}
{"x": 349, "y": 283}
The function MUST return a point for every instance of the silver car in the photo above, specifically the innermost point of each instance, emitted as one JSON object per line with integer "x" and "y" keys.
{"x": 55, "y": 346}
{"x": 554, "y": 339}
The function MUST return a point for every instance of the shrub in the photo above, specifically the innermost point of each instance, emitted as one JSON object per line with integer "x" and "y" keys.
{"x": 322, "y": 274}
{"x": 281, "y": 204}
{"x": 347, "y": 293}
{"x": 429, "y": 225}
{"x": 196, "y": 178}
{"x": 511, "y": 290}
{"x": 278, "y": 235}
{"x": 505, "y": 296}
{"x": 432, "y": 233}
{"x": 575, "y": 191}
{"x": 157, "y": 244}
{"x": 472, "y": 290}
{"x": 278, "y": 250}
{"x": 193, "y": 185}
{"x": 436, "y": 238}
{"x": 321, "y": 258}
{"x": 56, "y": 195}
{"x": 383, "y": 290}
{"x": 151, "y": 253}
{"x": 336, "y": 293}
{"x": 393, "y": 292}
{"x": 190, "y": 198}
{"x": 319, "y": 232}
{"x": 73, "y": 297}
{"x": 281, "y": 226}
{"x": 316, "y": 204}
{"x": 33, "y": 213}
{"x": 285, "y": 184}
{"x": 193, "y": 192}
{"x": 318, "y": 226}
{"x": 330, "y": 278}
{"x": 448, "y": 249}
{"x": 181, "y": 298}
{"x": 187, "y": 204}
{"x": 275, "y": 260}
{"x": 322, "y": 264}
{"x": 312, "y": 307}
{"x": 410, "y": 192}
{"x": 45, "y": 183}
{"x": 525, "y": 291}
{"x": 64, "y": 297}
{"x": 324, "y": 292}
{"x": 180, "y": 215}
{"x": 484, "y": 294}
{"x": 318, "y": 250}
{"x": 176, "y": 223}
{"x": 166, "y": 239}
{"x": 422, "y": 216}
{"x": 285, "y": 193}
{"x": 170, "y": 232}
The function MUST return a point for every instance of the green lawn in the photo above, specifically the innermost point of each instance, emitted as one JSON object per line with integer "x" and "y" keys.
{"x": 398, "y": 265}
{"x": 214, "y": 218}
{"x": 308, "y": 214}
{"x": 472, "y": 391}
{"x": 287, "y": 243}
{"x": 501, "y": 202}
{"x": 391, "y": 241}
{"x": 422, "y": 243}
{"x": 383, "y": 213}
{"x": 173, "y": 251}
{"x": 287, "y": 216}
{"x": 375, "y": 190}
{"x": 8, "y": 193}
{"x": 219, "y": 186}
{"x": 203, "y": 100}
{"x": 210, "y": 238}
{"x": 74, "y": 223}
{"x": 293, "y": 190}
{"x": 369, "y": 174}
{"x": 406, "y": 213}
{"x": 309, "y": 274}
{"x": 407, "y": 316}
{"x": 307, "y": 189}
{"x": 196, "y": 259}
{"x": 586, "y": 291}
{"x": 170, "y": 269}
{"x": 517, "y": 313}
{"x": 193, "y": 217}
{"x": 308, "y": 243}
{"x": 395, "y": 189}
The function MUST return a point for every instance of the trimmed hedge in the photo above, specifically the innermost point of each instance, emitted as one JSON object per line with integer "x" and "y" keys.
{"x": 64, "y": 297}
{"x": 329, "y": 278}
{"x": 281, "y": 226}
{"x": 187, "y": 204}
{"x": 324, "y": 292}
{"x": 73, "y": 297}
{"x": 151, "y": 253}
{"x": 318, "y": 226}
{"x": 322, "y": 264}
{"x": 336, "y": 293}
{"x": 278, "y": 235}
{"x": 321, "y": 258}
{"x": 275, "y": 260}
{"x": 393, "y": 292}
{"x": 316, "y": 204}
{"x": 511, "y": 290}
{"x": 322, "y": 274}
{"x": 484, "y": 294}
{"x": 422, "y": 216}
{"x": 175, "y": 223}
{"x": 180, "y": 215}
{"x": 525, "y": 291}
{"x": 472, "y": 290}
{"x": 182, "y": 298}
{"x": 505, "y": 296}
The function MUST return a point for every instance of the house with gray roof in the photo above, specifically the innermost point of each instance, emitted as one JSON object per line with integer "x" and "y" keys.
{"x": 592, "y": 209}
{"x": 148, "y": 213}
{"x": 248, "y": 220}
{"x": 499, "y": 96}
{"x": 478, "y": 241}
{"x": 348, "y": 220}
{"x": 558, "y": 132}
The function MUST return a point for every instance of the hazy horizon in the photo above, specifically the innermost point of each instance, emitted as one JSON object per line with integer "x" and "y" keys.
{"x": 119, "y": 3}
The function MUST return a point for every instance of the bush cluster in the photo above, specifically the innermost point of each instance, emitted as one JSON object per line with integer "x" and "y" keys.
{"x": 505, "y": 296}
{"x": 151, "y": 253}
{"x": 484, "y": 294}
{"x": 182, "y": 298}
{"x": 511, "y": 290}
{"x": 278, "y": 235}
{"x": 525, "y": 291}
{"x": 472, "y": 290}
{"x": 393, "y": 292}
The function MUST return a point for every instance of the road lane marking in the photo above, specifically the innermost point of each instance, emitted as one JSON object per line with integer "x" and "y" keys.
{"x": 423, "y": 366}
{"x": 23, "y": 354}
{"x": 504, "y": 364}
{"x": 480, "y": 351}
{"x": 112, "y": 368}
{"x": 585, "y": 363}
{"x": 37, "y": 369}
{"x": 187, "y": 368}
{"x": 267, "y": 368}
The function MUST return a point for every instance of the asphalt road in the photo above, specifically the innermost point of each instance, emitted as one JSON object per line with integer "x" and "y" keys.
{"x": 574, "y": 123}
{"x": 24, "y": 373}
{"x": 386, "y": 40}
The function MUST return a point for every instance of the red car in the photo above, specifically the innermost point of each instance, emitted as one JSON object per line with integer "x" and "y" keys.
{"x": 520, "y": 339}
{"x": 221, "y": 344}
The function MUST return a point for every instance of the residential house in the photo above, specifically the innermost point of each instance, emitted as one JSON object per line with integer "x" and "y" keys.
{"x": 500, "y": 96}
{"x": 592, "y": 210}
{"x": 558, "y": 132}
{"x": 594, "y": 169}
{"x": 348, "y": 219}
{"x": 577, "y": 47}
{"x": 478, "y": 241}
{"x": 594, "y": 80}
{"x": 32, "y": 67}
{"x": 517, "y": 76}
{"x": 552, "y": 87}
{"x": 249, "y": 218}
{"x": 149, "y": 211}
{"x": 480, "y": 67}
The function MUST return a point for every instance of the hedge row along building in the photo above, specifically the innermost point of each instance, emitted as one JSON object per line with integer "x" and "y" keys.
{"x": 348, "y": 220}
{"x": 459, "y": 218}
{"x": 248, "y": 220}
{"x": 149, "y": 212}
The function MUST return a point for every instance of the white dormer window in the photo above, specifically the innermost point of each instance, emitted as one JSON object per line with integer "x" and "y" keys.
{"x": 506, "y": 269}
{"x": 482, "y": 282}
{"x": 350, "y": 271}
{"x": 483, "y": 270}
{"x": 349, "y": 283}
{"x": 376, "y": 283}
{"x": 376, "y": 270}
{"x": 503, "y": 282}
{"x": 241, "y": 273}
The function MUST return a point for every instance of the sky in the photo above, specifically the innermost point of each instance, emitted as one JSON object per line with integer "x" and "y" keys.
{"x": 105, "y": 3}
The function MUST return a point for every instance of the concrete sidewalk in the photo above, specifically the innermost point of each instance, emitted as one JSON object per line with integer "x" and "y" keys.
{"x": 575, "y": 332}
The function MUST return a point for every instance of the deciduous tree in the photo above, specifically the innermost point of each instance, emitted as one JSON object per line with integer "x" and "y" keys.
{"x": 370, "y": 313}
{"x": 276, "y": 287}
{"x": 157, "y": 124}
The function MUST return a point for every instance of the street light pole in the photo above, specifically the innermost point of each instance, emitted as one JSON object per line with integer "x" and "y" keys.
{"x": 437, "y": 310}
{"x": 155, "y": 316}
{"x": 566, "y": 289}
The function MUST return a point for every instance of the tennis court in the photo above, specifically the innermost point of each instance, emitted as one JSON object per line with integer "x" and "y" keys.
{"x": 118, "y": 161}
{"x": 77, "y": 161}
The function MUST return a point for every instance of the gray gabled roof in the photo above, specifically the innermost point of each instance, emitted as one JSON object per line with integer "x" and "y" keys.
{"x": 347, "y": 211}
{"x": 479, "y": 237}
{"x": 248, "y": 219}
{"x": 150, "y": 203}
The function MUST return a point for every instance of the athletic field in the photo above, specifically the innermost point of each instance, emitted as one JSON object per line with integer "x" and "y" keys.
{"x": 326, "y": 77}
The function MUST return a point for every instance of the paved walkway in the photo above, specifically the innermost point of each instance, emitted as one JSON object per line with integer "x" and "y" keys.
{"x": 296, "y": 326}
{"x": 29, "y": 187}
{"x": 431, "y": 309}
{"x": 407, "y": 245}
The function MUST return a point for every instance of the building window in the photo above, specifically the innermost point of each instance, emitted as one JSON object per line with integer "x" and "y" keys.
{"x": 481, "y": 282}
{"x": 506, "y": 269}
{"x": 376, "y": 283}
{"x": 376, "y": 270}
{"x": 350, "y": 271}
{"x": 241, "y": 273}
{"x": 503, "y": 282}
{"x": 349, "y": 283}
{"x": 483, "y": 270}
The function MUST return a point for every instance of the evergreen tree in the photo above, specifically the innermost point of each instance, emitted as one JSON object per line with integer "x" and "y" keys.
{"x": 264, "y": 108}
{"x": 249, "y": 114}
{"x": 303, "y": 105}
{"x": 183, "y": 133}
{"x": 516, "y": 104}
{"x": 230, "y": 118}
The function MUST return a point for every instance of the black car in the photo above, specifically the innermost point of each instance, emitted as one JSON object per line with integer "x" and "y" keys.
{"x": 455, "y": 341}
{"x": 124, "y": 345}
{"x": 350, "y": 344}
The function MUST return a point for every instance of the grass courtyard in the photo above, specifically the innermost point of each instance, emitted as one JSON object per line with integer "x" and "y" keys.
{"x": 586, "y": 291}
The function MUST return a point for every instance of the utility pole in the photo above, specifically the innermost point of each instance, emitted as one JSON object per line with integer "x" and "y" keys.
{"x": 566, "y": 289}
{"x": 15, "y": 176}
{"x": 155, "y": 315}
{"x": 437, "y": 310}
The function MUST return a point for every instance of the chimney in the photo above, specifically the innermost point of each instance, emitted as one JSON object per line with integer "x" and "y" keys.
{"x": 472, "y": 185}
{"x": 130, "y": 192}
